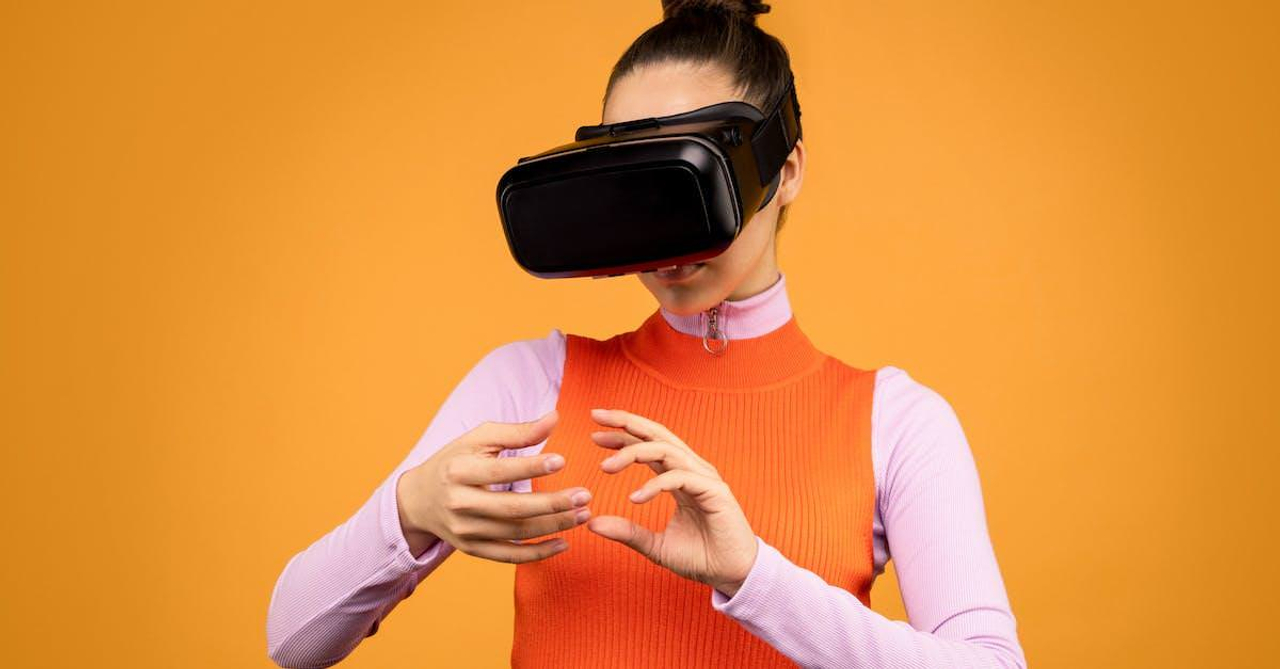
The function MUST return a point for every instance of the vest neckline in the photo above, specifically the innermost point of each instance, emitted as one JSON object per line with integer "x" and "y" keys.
{"x": 773, "y": 356}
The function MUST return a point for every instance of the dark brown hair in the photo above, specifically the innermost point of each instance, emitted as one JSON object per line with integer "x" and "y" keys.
{"x": 717, "y": 32}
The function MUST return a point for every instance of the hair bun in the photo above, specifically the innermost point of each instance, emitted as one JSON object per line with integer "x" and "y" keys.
{"x": 745, "y": 10}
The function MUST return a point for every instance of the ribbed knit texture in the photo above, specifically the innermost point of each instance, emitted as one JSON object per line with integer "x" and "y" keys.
{"x": 787, "y": 426}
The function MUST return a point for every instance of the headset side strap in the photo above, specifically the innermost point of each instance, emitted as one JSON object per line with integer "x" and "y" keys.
{"x": 776, "y": 135}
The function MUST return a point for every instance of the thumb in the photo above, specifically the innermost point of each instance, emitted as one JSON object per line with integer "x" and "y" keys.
{"x": 493, "y": 437}
{"x": 641, "y": 539}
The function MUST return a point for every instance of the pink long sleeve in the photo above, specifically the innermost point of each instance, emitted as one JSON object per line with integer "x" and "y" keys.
{"x": 336, "y": 592}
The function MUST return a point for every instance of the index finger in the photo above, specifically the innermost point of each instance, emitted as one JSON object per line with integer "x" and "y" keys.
{"x": 491, "y": 436}
{"x": 645, "y": 428}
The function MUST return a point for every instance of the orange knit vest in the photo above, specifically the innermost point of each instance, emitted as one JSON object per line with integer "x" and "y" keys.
{"x": 787, "y": 426}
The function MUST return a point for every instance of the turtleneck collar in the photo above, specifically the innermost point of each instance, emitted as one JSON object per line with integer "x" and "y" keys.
{"x": 765, "y": 344}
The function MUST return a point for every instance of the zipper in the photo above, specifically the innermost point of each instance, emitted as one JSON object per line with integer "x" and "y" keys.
{"x": 714, "y": 331}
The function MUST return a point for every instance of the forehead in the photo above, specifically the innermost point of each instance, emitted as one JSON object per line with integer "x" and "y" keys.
{"x": 667, "y": 88}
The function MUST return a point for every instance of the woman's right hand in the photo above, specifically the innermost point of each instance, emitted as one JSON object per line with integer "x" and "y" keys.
{"x": 447, "y": 496}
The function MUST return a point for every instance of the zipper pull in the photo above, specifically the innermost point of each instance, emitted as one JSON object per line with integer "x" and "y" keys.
{"x": 714, "y": 331}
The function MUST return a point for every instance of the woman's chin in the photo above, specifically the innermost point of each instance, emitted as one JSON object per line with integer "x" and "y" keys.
{"x": 680, "y": 298}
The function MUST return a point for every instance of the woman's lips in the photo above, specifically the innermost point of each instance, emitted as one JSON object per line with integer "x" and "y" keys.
{"x": 678, "y": 272}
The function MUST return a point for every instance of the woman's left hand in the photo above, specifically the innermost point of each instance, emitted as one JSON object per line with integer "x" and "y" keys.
{"x": 708, "y": 538}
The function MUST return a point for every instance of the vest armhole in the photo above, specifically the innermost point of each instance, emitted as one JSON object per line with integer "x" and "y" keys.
{"x": 864, "y": 391}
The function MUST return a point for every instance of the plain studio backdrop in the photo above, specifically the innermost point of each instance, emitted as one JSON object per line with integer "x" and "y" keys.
{"x": 249, "y": 248}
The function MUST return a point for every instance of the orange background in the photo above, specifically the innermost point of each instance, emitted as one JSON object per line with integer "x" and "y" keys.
{"x": 249, "y": 248}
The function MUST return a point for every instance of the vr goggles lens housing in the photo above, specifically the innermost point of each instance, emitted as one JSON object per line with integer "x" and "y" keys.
{"x": 638, "y": 195}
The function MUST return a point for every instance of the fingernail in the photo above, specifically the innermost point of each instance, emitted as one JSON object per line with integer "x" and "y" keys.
{"x": 554, "y": 462}
{"x": 583, "y": 515}
{"x": 581, "y": 497}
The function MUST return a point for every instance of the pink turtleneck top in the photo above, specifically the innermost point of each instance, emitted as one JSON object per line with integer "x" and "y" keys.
{"x": 929, "y": 518}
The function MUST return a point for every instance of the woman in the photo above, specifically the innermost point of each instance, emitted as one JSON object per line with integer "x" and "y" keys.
{"x": 738, "y": 503}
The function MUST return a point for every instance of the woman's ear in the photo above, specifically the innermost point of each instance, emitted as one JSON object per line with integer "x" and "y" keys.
{"x": 792, "y": 175}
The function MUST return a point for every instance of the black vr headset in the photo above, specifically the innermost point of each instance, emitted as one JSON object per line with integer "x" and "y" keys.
{"x": 639, "y": 195}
